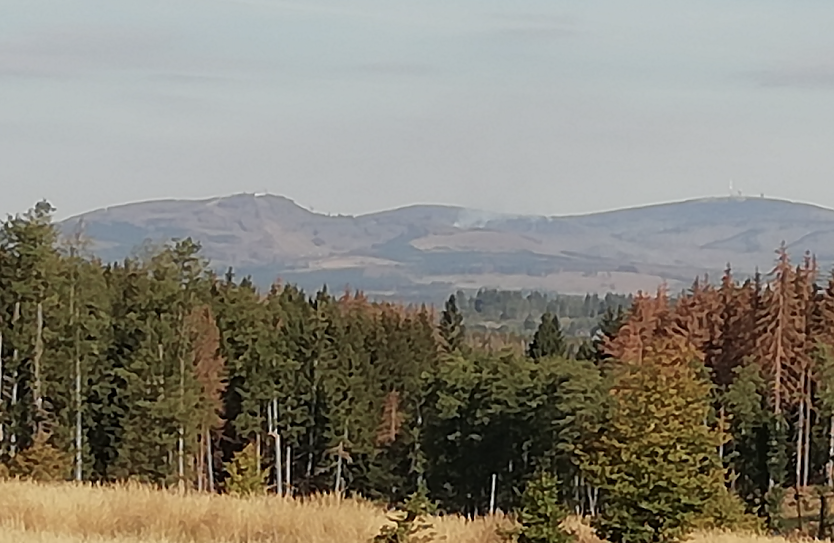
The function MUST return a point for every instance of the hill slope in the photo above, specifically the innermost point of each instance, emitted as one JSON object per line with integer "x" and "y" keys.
{"x": 416, "y": 250}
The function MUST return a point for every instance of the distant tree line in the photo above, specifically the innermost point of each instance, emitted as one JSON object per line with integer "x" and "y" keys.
{"x": 513, "y": 304}
{"x": 519, "y": 312}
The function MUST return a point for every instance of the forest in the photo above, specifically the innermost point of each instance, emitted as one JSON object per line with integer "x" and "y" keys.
{"x": 516, "y": 312}
{"x": 705, "y": 409}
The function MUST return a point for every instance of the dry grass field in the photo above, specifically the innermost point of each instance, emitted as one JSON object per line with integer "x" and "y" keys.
{"x": 33, "y": 513}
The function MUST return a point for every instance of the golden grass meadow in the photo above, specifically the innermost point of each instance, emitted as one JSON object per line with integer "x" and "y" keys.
{"x": 67, "y": 513}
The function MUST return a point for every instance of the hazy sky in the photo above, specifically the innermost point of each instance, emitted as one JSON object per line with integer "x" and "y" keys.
{"x": 526, "y": 106}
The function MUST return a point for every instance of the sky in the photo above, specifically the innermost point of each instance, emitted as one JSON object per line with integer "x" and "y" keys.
{"x": 526, "y": 106}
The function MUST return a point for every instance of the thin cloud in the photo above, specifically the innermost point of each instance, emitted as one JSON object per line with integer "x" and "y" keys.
{"x": 532, "y": 26}
{"x": 818, "y": 76}
{"x": 69, "y": 51}
{"x": 379, "y": 12}
{"x": 192, "y": 78}
{"x": 396, "y": 69}
{"x": 535, "y": 33}
{"x": 535, "y": 19}
{"x": 814, "y": 71}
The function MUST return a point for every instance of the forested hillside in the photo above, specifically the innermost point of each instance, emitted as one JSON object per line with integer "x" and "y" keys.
{"x": 678, "y": 413}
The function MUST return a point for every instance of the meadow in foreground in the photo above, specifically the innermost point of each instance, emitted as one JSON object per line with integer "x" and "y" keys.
{"x": 66, "y": 513}
{"x": 51, "y": 513}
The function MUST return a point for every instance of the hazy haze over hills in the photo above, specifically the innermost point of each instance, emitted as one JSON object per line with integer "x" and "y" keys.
{"x": 425, "y": 250}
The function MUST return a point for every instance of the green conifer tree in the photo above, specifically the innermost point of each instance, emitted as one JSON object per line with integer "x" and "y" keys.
{"x": 410, "y": 525}
{"x": 452, "y": 330}
{"x": 27, "y": 283}
{"x": 609, "y": 325}
{"x": 548, "y": 341}
{"x": 245, "y": 476}
{"x": 542, "y": 512}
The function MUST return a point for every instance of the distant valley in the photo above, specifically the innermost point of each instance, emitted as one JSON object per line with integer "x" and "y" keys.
{"x": 424, "y": 252}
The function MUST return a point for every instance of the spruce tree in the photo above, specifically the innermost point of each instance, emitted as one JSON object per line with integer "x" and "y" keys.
{"x": 410, "y": 525}
{"x": 245, "y": 476}
{"x": 745, "y": 403}
{"x": 75, "y": 356}
{"x": 452, "y": 331}
{"x": 548, "y": 341}
{"x": 210, "y": 371}
{"x": 608, "y": 328}
{"x": 780, "y": 348}
{"x": 27, "y": 283}
{"x": 823, "y": 333}
{"x": 542, "y": 512}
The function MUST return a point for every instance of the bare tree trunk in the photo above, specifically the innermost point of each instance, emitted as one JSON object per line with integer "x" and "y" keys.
{"x": 338, "y": 482}
{"x": 339, "y": 461}
{"x": 78, "y": 434}
{"x": 13, "y": 437}
{"x": 181, "y": 430}
{"x": 593, "y": 496}
{"x": 270, "y": 426}
{"x": 279, "y": 475}
{"x": 36, "y": 362}
{"x": 258, "y": 450}
{"x": 577, "y": 496}
{"x": 288, "y": 474}
{"x": 200, "y": 466}
{"x": 829, "y": 468}
{"x": 806, "y": 460}
{"x": 279, "y": 483}
{"x": 721, "y": 446}
{"x": 209, "y": 461}
{"x": 798, "y": 497}
{"x": 181, "y": 459}
{"x": 800, "y": 446}
{"x": 79, "y": 474}
{"x": 15, "y": 355}
{"x": 310, "y": 443}
{"x": 492, "y": 495}
{"x": 733, "y": 478}
{"x": 800, "y": 434}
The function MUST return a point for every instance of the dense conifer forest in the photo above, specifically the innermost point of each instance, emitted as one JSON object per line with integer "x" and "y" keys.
{"x": 702, "y": 409}
{"x": 516, "y": 312}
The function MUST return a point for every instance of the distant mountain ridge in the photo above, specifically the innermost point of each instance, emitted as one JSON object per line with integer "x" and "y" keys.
{"x": 421, "y": 250}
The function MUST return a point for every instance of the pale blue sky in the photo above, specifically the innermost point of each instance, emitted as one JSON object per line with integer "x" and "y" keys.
{"x": 527, "y": 106}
